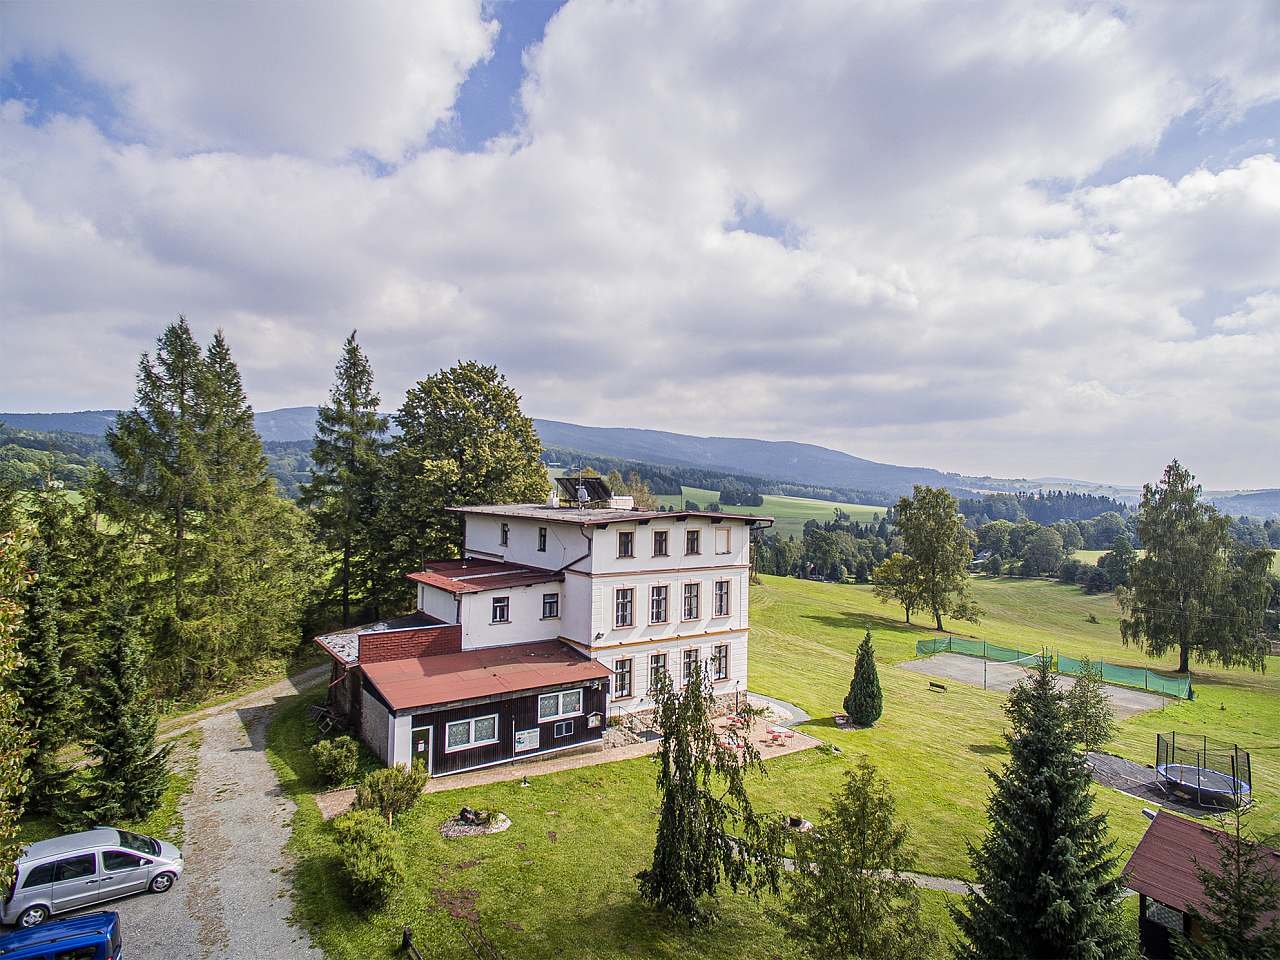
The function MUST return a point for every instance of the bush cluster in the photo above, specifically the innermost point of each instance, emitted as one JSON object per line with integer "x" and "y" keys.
{"x": 336, "y": 760}
{"x": 392, "y": 790}
{"x": 371, "y": 855}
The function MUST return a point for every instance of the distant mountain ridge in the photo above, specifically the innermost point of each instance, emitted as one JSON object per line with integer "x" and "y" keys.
{"x": 780, "y": 460}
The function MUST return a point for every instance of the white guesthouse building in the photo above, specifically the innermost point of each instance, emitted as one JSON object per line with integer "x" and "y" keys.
{"x": 555, "y": 618}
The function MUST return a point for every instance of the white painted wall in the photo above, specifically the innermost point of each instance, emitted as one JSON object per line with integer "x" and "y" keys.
{"x": 674, "y": 649}
{"x": 440, "y": 604}
{"x": 604, "y": 550}
{"x": 604, "y": 596}
{"x": 564, "y": 541}
{"x": 526, "y": 625}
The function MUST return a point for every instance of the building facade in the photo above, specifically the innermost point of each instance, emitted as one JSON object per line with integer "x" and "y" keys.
{"x": 555, "y": 619}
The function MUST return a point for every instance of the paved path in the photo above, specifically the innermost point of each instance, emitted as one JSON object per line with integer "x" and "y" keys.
{"x": 233, "y": 901}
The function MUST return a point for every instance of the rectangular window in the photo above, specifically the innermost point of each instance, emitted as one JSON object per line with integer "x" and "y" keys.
{"x": 73, "y": 868}
{"x": 688, "y": 662}
{"x": 623, "y": 607}
{"x": 626, "y": 543}
{"x": 504, "y": 535}
{"x": 501, "y": 609}
{"x": 659, "y": 543}
{"x": 722, "y": 598}
{"x": 465, "y": 734}
{"x": 658, "y": 604}
{"x": 553, "y": 706}
{"x": 722, "y": 539}
{"x": 720, "y": 662}
{"x": 692, "y": 542}
{"x": 542, "y": 539}
{"x": 550, "y": 606}
{"x": 691, "y": 598}
{"x": 657, "y": 667}
{"x": 563, "y": 729}
{"x": 622, "y": 678}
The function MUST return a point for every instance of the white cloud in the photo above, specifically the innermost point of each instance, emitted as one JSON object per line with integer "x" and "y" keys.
{"x": 942, "y": 306}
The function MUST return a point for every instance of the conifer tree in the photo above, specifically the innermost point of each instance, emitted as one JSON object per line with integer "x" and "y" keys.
{"x": 1048, "y": 884}
{"x": 14, "y": 577}
{"x": 343, "y": 493}
{"x": 1089, "y": 714}
{"x": 864, "y": 703}
{"x": 130, "y": 773}
{"x": 42, "y": 681}
{"x": 708, "y": 832}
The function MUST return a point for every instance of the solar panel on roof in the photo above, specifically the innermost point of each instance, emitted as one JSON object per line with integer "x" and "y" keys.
{"x": 583, "y": 490}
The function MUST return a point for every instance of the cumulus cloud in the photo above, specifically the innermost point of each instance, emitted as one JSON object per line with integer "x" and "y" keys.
{"x": 948, "y": 288}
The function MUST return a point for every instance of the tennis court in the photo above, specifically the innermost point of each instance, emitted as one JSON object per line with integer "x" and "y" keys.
{"x": 959, "y": 668}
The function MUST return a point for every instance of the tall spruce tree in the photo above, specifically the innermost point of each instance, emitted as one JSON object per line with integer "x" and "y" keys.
{"x": 704, "y": 804}
{"x": 130, "y": 773}
{"x": 14, "y": 577}
{"x": 864, "y": 702}
{"x": 343, "y": 493}
{"x": 1185, "y": 593}
{"x": 1048, "y": 885}
{"x": 42, "y": 682}
{"x": 1089, "y": 715}
{"x": 1241, "y": 900}
{"x": 462, "y": 440}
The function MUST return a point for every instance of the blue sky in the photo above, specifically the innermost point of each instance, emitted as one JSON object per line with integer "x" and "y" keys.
{"x": 1017, "y": 238}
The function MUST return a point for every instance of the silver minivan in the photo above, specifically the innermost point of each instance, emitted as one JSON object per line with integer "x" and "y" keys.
{"x": 81, "y": 869}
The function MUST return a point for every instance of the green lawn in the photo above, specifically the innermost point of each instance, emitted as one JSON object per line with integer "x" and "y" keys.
{"x": 560, "y": 882}
{"x": 790, "y": 513}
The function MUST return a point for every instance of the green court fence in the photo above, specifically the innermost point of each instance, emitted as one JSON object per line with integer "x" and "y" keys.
{"x": 1138, "y": 677}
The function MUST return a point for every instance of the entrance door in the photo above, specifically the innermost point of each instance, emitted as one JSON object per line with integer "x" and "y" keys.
{"x": 420, "y": 748}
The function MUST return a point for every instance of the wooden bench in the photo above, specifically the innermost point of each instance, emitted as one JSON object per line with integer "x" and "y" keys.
{"x": 938, "y": 687}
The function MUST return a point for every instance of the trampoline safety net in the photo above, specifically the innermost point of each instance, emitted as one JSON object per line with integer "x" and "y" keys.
{"x": 1211, "y": 772}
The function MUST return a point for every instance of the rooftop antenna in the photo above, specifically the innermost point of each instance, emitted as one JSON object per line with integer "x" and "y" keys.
{"x": 583, "y": 497}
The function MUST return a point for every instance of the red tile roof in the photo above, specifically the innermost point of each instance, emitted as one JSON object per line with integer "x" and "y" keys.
{"x": 1162, "y": 865}
{"x": 445, "y": 678}
{"x": 473, "y": 576}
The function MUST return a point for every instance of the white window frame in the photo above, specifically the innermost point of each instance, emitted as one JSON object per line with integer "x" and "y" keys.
{"x": 684, "y": 600}
{"x": 728, "y": 539}
{"x": 560, "y": 714}
{"x": 719, "y": 658}
{"x": 687, "y": 662}
{"x": 666, "y": 602}
{"x": 666, "y": 543}
{"x": 493, "y": 609}
{"x": 631, "y": 544}
{"x": 695, "y": 537}
{"x": 472, "y": 742}
{"x": 726, "y": 594}
{"x": 566, "y": 725}
{"x": 504, "y": 535}
{"x": 555, "y": 601}
{"x": 630, "y": 675}
{"x": 617, "y": 608}
{"x": 542, "y": 539}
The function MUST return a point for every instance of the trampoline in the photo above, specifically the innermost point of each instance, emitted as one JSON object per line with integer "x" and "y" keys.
{"x": 1208, "y": 772}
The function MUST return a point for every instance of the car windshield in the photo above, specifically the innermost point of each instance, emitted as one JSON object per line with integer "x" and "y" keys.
{"x": 136, "y": 841}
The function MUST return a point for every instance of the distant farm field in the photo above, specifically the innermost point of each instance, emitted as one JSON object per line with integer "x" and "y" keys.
{"x": 790, "y": 513}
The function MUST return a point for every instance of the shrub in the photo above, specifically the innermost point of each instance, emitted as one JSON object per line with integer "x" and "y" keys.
{"x": 1097, "y": 581}
{"x": 1071, "y": 571}
{"x": 392, "y": 790}
{"x": 371, "y": 855}
{"x": 336, "y": 760}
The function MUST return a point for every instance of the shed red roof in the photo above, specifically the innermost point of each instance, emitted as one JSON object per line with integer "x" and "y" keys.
{"x": 473, "y": 576}
{"x": 445, "y": 678}
{"x": 1162, "y": 865}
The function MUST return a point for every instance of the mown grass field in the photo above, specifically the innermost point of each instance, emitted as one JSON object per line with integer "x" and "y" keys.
{"x": 789, "y": 513}
{"x": 560, "y": 883}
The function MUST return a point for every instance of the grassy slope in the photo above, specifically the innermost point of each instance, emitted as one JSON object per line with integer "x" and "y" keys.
{"x": 789, "y": 512}
{"x": 573, "y": 895}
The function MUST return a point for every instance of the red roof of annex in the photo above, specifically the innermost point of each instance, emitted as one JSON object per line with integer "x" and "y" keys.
{"x": 474, "y": 576}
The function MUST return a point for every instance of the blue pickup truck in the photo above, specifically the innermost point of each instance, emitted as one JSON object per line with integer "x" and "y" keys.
{"x": 93, "y": 936}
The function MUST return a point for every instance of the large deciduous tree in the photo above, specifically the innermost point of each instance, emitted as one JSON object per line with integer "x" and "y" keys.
{"x": 1048, "y": 884}
{"x": 345, "y": 485}
{"x": 462, "y": 440}
{"x": 937, "y": 544}
{"x": 708, "y": 832}
{"x": 1043, "y": 553}
{"x": 896, "y": 579}
{"x": 847, "y": 899}
{"x": 14, "y": 577}
{"x": 1188, "y": 593}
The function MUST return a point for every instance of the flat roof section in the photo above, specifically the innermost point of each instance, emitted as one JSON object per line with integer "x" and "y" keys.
{"x": 344, "y": 645}
{"x": 476, "y": 576}
{"x": 600, "y": 516}
{"x": 432, "y": 681}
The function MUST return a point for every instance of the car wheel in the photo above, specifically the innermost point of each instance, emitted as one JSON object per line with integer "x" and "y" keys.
{"x": 33, "y": 916}
{"x": 161, "y": 882}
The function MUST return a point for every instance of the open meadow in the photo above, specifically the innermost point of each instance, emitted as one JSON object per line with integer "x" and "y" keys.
{"x": 560, "y": 882}
{"x": 789, "y": 513}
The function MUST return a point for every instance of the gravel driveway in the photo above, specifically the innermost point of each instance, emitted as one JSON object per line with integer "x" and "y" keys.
{"x": 233, "y": 900}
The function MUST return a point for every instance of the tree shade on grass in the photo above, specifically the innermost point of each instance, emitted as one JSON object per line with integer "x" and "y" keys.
{"x": 865, "y": 703}
{"x": 1050, "y": 882}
